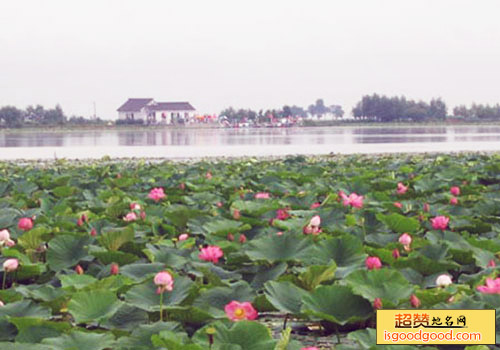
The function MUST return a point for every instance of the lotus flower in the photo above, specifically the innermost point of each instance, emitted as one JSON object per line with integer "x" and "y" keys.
{"x": 440, "y": 222}
{"x": 93, "y": 232}
{"x": 443, "y": 280}
{"x": 262, "y": 195}
{"x": 164, "y": 281}
{"x": 219, "y": 204}
{"x": 373, "y": 262}
{"x": 25, "y": 224}
{"x": 183, "y": 237}
{"x": 79, "y": 270}
{"x": 230, "y": 237}
{"x": 427, "y": 207}
{"x": 242, "y": 238}
{"x": 377, "y": 304}
{"x": 414, "y": 301}
{"x": 114, "y": 269}
{"x": 211, "y": 253}
{"x": 354, "y": 201}
{"x": 279, "y": 233}
{"x": 5, "y": 239}
{"x": 405, "y": 239}
{"x": 10, "y": 265}
{"x": 157, "y": 194}
{"x": 208, "y": 175}
{"x": 395, "y": 253}
{"x": 492, "y": 286}
{"x": 315, "y": 205}
{"x": 342, "y": 195}
{"x": 130, "y": 217}
{"x": 282, "y": 214}
{"x": 237, "y": 311}
{"x": 310, "y": 348}
{"x": 143, "y": 215}
{"x": 453, "y": 200}
{"x": 455, "y": 190}
{"x": 492, "y": 263}
{"x": 313, "y": 226}
{"x": 398, "y": 205}
{"x": 401, "y": 188}
{"x": 236, "y": 214}
{"x": 135, "y": 206}
{"x": 1, "y": 303}
{"x": 182, "y": 186}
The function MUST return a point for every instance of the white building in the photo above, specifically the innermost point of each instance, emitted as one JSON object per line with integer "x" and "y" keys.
{"x": 152, "y": 112}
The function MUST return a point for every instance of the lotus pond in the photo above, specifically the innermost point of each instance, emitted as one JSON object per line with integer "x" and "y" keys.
{"x": 243, "y": 254}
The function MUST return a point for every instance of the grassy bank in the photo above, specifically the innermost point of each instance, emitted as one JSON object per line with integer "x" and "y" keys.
{"x": 292, "y": 238}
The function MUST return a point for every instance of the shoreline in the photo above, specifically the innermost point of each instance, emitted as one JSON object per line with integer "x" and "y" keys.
{"x": 314, "y": 124}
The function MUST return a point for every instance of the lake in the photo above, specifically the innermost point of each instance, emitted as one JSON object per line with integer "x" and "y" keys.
{"x": 195, "y": 143}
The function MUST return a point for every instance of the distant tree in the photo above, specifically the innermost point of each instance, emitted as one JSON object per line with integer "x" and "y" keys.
{"x": 298, "y": 111}
{"x": 337, "y": 111}
{"x": 54, "y": 116}
{"x": 11, "y": 117}
{"x": 318, "y": 109}
{"x": 437, "y": 109}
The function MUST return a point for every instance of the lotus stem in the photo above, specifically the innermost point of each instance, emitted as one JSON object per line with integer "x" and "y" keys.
{"x": 337, "y": 333}
{"x": 4, "y": 279}
{"x": 285, "y": 321}
{"x": 161, "y": 306}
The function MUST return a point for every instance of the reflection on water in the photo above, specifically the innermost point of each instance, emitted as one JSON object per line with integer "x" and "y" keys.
{"x": 246, "y": 141}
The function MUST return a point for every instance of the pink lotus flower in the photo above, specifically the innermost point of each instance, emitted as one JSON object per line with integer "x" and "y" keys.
{"x": 5, "y": 239}
{"x": 282, "y": 214}
{"x": 401, "y": 188}
{"x": 143, "y": 215}
{"x": 377, "y": 304}
{"x": 310, "y": 348}
{"x": 130, "y": 217}
{"x": 236, "y": 214}
{"x": 79, "y": 222}
{"x": 315, "y": 205}
{"x": 414, "y": 301}
{"x": 342, "y": 195}
{"x": 1, "y": 303}
{"x": 398, "y": 205}
{"x": 211, "y": 253}
{"x": 492, "y": 263}
{"x": 315, "y": 221}
{"x": 453, "y": 200}
{"x": 492, "y": 286}
{"x": 354, "y": 201}
{"x": 182, "y": 186}
{"x": 219, "y": 204}
{"x": 237, "y": 311}
{"x": 157, "y": 194}
{"x": 405, "y": 239}
{"x": 135, "y": 206}
{"x": 183, "y": 237}
{"x": 79, "y": 270}
{"x": 427, "y": 207}
{"x": 10, "y": 265}
{"x": 440, "y": 222}
{"x": 164, "y": 281}
{"x": 373, "y": 262}
{"x": 230, "y": 237}
{"x": 93, "y": 232}
{"x": 262, "y": 195}
{"x": 279, "y": 233}
{"x": 208, "y": 175}
{"x": 455, "y": 190}
{"x": 25, "y": 224}
{"x": 395, "y": 253}
{"x": 114, "y": 269}
{"x": 242, "y": 238}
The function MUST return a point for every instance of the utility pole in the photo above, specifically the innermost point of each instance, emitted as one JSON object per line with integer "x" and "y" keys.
{"x": 95, "y": 112}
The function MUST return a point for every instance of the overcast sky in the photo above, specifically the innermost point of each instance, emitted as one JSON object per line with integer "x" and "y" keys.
{"x": 249, "y": 54}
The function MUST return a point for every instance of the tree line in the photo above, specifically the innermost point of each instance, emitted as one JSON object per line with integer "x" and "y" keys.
{"x": 12, "y": 117}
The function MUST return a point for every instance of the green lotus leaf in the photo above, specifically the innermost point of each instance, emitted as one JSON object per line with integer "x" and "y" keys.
{"x": 387, "y": 284}
{"x": 337, "y": 304}
{"x": 346, "y": 251}
{"x": 317, "y": 274}
{"x": 24, "y": 308}
{"x": 141, "y": 272}
{"x": 127, "y": 318}
{"x": 77, "y": 340}
{"x": 243, "y": 335}
{"x": 287, "y": 247}
{"x": 66, "y": 251}
{"x": 254, "y": 208}
{"x": 115, "y": 238}
{"x": 218, "y": 297}
{"x": 93, "y": 306}
{"x": 140, "y": 338}
{"x": 76, "y": 281}
{"x": 167, "y": 255}
{"x": 33, "y": 330}
{"x": 399, "y": 223}
{"x": 285, "y": 296}
{"x": 144, "y": 297}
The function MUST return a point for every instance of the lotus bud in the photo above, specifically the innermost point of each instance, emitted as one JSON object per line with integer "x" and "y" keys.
{"x": 414, "y": 301}
{"x": 377, "y": 304}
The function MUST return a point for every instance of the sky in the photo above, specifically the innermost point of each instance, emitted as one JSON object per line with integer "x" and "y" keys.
{"x": 246, "y": 54}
